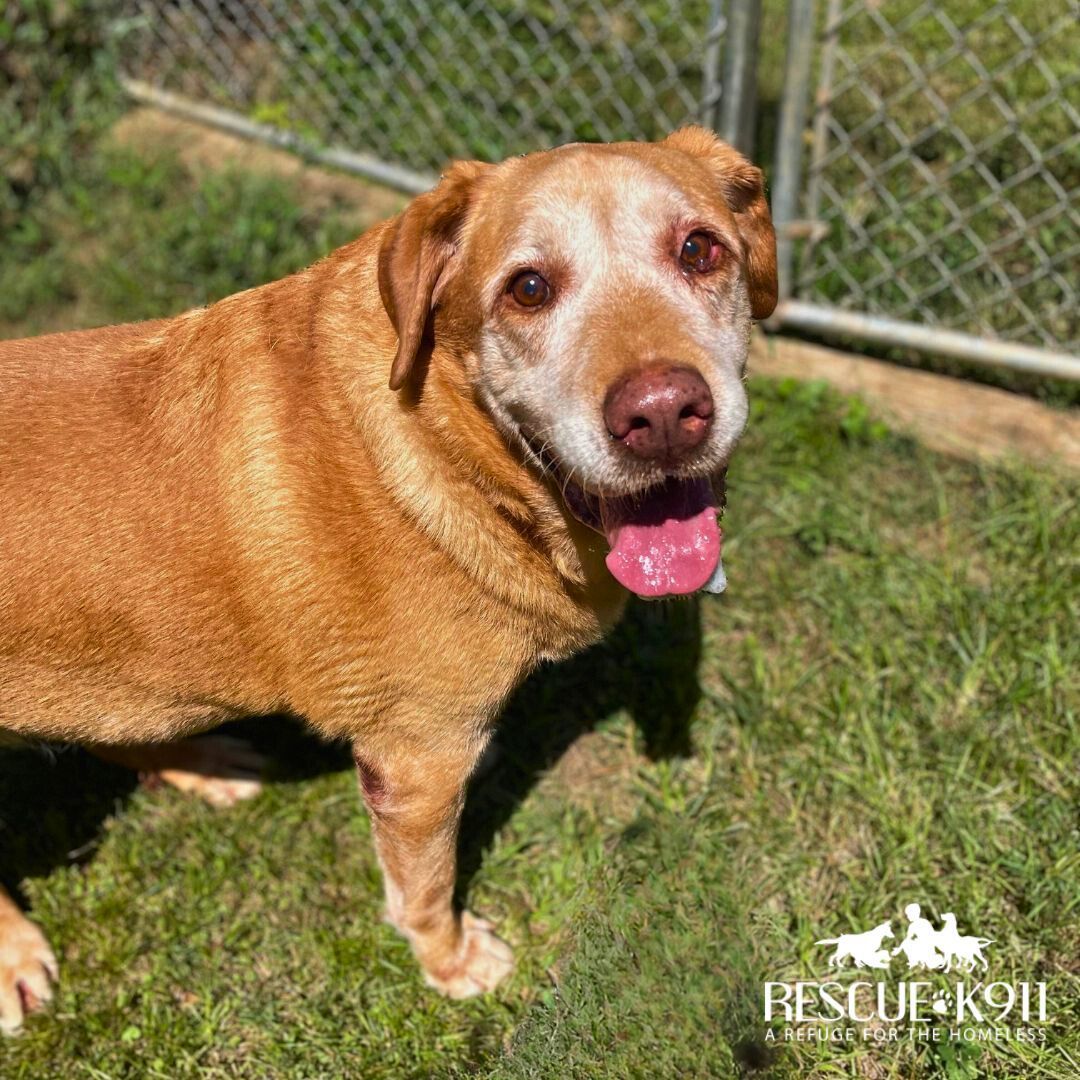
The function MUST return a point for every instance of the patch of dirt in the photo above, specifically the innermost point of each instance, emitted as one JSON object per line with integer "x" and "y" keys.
{"x": 949, "y": 415}
{"x": 594, "y": 774}
{"x": 202, "y": 150}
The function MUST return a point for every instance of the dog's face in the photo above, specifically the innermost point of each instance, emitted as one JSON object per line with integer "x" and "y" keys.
{"x": 601, "y": 299}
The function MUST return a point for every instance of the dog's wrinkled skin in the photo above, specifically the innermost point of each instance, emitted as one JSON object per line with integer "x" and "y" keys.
{"x": 231, "y": 513}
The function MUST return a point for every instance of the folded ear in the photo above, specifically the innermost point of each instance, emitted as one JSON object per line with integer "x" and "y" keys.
{"x": 416, "y": 253}
{"x": 743, "y": 188}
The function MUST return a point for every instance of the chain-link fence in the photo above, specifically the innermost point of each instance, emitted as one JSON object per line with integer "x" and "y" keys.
{"x": 937, "y": 206}
{"x": 418, "y": 83}
{"x": 944, "y": 181}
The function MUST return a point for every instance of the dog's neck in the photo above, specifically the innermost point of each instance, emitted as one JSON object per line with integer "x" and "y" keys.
{"x": 443, "y": 461}
{"x": 446, "y": 410}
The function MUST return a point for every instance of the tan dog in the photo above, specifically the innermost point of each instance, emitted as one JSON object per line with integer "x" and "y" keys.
{"x": 231, "y": 513}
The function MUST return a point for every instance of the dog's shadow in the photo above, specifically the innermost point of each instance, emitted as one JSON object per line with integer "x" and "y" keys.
{"x": 647, "y": 667}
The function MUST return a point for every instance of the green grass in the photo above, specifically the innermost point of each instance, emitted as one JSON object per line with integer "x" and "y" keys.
{"x": 136, "y": 236}
{"x": 881, "y": 709}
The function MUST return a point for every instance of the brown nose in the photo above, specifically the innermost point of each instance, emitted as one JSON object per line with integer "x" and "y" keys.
{"x": 662, "y": 412}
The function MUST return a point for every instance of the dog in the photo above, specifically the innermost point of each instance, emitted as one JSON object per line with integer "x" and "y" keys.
{"x": 965, "y": 949}
{"x": 864, "y": 949}
{"x": 378, "y": 493}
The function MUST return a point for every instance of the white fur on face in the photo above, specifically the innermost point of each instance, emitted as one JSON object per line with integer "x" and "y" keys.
{"x": 602, "y": 233}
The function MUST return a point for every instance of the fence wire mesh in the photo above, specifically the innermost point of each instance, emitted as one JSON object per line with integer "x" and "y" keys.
{"x": 943, "y": 180}
{"x": 945, "y": 171}
{"x": 420, "y": 83}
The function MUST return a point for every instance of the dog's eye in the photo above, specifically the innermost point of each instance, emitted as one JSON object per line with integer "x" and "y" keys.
{"x": 529, "y": 289}
{"x": 699, "y": 252}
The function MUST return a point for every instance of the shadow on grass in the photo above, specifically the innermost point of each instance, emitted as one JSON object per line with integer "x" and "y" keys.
{"x": 647, "y": 667}
{"x": 53, "y": 801}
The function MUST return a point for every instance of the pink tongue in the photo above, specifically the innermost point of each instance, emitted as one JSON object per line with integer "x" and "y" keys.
{"x": 667, "y": 544}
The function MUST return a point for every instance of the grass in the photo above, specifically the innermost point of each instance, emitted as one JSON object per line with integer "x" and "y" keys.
{"x": 883, "y": 708}
{"x": 140, "y": 235}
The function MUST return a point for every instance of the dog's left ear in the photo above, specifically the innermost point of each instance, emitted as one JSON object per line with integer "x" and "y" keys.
{"x": 743, "y": 187}
{"x": 415, "y": 255}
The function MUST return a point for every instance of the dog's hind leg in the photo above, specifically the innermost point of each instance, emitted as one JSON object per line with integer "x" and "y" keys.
{"x": 220, "y": 769}
{"x": 415, "y": 800}
{"x": 28, "y": 967}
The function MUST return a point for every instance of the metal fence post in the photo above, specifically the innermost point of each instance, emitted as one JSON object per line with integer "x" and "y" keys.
{"x": 822, "y": 105}
{"x": 739, "y": 98}
{"x": 712, "y": 89}
{"x": 787, "y": 164}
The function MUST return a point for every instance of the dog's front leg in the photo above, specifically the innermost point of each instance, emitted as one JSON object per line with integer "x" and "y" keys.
{"x": 415, "y": 800}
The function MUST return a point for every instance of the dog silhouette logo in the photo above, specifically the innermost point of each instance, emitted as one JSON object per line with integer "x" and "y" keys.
{"x": 863, "y": 949}
{"x": 924, "y": 947}
{"x": 938, "y": 950}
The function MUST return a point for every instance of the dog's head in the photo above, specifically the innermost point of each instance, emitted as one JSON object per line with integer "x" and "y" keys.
{"x": 600, "y": 299}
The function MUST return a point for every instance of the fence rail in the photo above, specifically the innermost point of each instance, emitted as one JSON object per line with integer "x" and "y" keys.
{"x": 937, "y": 207}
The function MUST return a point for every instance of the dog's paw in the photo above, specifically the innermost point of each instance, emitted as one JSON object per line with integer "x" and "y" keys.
{"x": 219, "y": 769}
{"x": 28, "y": 969}
{"x": 482, "y": 962}
{"x": 215, "y": 790}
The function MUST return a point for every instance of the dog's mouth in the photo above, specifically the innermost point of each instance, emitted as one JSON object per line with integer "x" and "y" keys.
{"x": 665, "y": 540}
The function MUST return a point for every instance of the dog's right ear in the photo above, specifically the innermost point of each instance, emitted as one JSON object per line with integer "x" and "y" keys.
{"x": 416, "y": 256}
{"x": 743, "y": 187}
